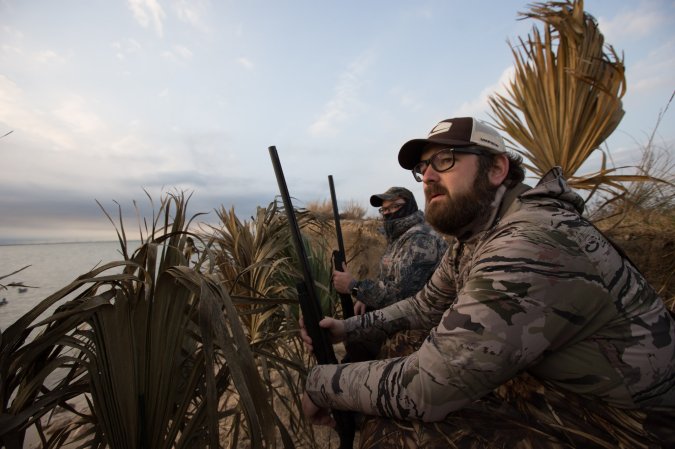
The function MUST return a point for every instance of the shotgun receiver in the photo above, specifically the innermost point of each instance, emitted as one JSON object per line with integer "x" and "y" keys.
{"x": 309, "y": 305}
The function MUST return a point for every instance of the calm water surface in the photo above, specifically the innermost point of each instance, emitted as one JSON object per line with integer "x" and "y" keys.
{"x": 52, "y": 267}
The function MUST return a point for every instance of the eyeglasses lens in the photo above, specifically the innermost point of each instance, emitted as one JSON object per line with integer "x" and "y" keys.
{"x": 442, "y": 160}
{"x": 393, "y": 208}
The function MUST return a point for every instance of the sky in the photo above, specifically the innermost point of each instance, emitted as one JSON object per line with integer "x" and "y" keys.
{"x": 105, "y": 100}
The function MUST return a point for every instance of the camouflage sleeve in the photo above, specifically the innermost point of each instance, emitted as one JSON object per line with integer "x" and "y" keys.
{"x": 514, "y": 306}
{"x": 417, "y": 254}
{"x": 422, "y": 311}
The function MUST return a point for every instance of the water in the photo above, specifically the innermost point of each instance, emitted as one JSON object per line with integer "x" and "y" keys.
{"x": 53, "y": 266}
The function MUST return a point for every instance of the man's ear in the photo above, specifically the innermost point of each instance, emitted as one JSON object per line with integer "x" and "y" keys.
{"x": 499, "y": 169}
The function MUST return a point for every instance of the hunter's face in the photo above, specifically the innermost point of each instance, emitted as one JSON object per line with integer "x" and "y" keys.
{"x": 389, "y": 207}
{"x": 457, "y": 197}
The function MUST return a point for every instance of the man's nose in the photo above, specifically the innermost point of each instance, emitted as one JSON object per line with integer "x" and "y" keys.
{"x": 430, "y": 175}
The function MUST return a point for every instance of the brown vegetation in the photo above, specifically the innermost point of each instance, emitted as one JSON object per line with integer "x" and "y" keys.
{"x": 352, "y": 210}
{"x": 649, "y": 241}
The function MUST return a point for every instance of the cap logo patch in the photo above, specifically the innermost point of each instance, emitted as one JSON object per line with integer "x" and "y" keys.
{"x": 440, "y": 128}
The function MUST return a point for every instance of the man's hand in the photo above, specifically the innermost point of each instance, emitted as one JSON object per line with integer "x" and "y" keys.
{"x": 359, "y": 308}
{"x": 342, "y": 280}
{"x": 316, "y": 415}
{"x": 335, "y": 327}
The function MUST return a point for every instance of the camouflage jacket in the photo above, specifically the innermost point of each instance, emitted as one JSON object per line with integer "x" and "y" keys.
{"x": 413, "y": 252}
{"x": 537, "y": 289}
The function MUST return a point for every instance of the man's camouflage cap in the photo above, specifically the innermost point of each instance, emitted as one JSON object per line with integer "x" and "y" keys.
{"x": 391, "y": 194}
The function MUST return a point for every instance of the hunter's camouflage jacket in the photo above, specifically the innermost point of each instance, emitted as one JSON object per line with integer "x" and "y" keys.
{"x": 537, "y": 289}
{"x": 414, "y": 250}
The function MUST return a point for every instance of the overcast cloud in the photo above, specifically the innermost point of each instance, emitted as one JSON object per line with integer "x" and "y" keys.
{"x": 106, "y": 100}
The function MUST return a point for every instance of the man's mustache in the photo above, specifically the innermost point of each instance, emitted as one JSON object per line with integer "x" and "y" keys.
{"x": 431, "y": 190}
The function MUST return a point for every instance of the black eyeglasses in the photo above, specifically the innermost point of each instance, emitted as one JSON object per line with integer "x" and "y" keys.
{"x": 391, "y": 208}
{"x": 442, "y": 160}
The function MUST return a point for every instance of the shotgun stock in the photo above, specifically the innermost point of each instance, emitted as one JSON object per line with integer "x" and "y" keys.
{"x": 309, "y": 305}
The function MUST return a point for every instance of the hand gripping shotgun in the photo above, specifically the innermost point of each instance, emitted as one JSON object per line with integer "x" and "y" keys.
{"x": 309, "y": 305}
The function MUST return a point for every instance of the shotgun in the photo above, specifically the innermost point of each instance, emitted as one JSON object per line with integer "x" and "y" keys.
{"x": 355, "y": 352}
{"x": 309, "y": 305}
{"x": 339, "y": 255}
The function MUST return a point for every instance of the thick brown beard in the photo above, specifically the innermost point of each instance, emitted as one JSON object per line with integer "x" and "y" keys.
{"x": 456, "y": 211}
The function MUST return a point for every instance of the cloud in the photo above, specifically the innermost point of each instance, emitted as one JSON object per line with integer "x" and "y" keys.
{"x": 74, "y": 112}
{"x": 183, "y": 51}
{"x": 178, "y": 52}
{"x": 239, "y": 30}
{"x": 148, "y": 13}
{"x": 245, "y": 63}
{"x": 10, "y": 41}
{"x": 408, "y": 100}
{"x": 60, "y": 126}
{"x": 126, "y": 48}
{"x": 11, "y": 32}
{"x": 129, "y": 147}
{"x": 49, "y": 56}
{"x": 479, "y": 105}
{"x": 68, "y": 144}
{"x": 57, "y": 215}
{"x": 10, "y": 49}
{"x": 655, "y": 71}
{"x": 193, "y": 12}
{"x": 646, "y": 33}
{"x": 637, "y": 23}
{"x": 345, "y": 102}
{"x": 22, "y": 119}
{"x": 425, "y": 13}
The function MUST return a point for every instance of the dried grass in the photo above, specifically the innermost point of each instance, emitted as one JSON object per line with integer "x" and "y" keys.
{"x": 351, "y": 210}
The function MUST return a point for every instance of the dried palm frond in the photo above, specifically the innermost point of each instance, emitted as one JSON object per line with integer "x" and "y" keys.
{"x": 14, "y": 283}
{"x": 565, "y": 98}
{"x": 145, "y": 355}
{"x": 258, "y": 265}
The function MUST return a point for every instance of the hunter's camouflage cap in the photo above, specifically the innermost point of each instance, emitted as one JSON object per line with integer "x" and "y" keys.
{"x": 391, "y": 194}
{"x": 455, "y": 132}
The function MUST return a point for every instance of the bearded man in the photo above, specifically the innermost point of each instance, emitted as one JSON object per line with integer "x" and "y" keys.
{"x": 531, "y": 292}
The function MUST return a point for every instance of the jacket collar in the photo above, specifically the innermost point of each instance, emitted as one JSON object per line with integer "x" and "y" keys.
{"x": 552, "y": 185}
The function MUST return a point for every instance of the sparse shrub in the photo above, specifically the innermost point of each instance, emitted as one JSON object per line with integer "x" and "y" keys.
{"x": 324, "y": 210}
{"x": 353, "y": 211}
{"x": 321, "y": 209}
{"x": 650, "y": 198}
